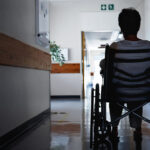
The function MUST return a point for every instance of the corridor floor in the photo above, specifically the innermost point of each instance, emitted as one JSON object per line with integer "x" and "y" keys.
{"x": 69, "y": 126}
{"x": 66, "y": 124}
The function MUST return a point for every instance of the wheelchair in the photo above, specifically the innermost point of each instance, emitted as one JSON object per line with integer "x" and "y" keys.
{"x": 100, "y": 127}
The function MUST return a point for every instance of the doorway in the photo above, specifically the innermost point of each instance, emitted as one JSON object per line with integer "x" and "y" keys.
{"x": 93, "y": 51}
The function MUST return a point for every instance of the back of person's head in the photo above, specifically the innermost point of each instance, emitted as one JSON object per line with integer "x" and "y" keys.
{"x": 129, "y": 21}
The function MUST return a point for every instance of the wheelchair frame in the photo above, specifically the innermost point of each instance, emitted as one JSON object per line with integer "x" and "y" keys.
{"x": 100, "y": 127}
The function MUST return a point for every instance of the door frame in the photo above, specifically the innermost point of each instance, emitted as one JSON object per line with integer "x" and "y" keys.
{"x": 83, "y": 46}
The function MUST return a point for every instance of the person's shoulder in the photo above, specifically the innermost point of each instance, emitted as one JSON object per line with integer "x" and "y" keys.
{"x": 144, "y": 43}
{"x": 125, "y": 44}
{"x": 115, "y": 45}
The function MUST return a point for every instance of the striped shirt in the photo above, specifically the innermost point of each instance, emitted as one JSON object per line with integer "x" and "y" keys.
{"x": 133, "y": 69}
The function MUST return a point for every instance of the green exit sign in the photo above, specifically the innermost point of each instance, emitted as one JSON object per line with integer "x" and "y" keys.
{"x": 107, "y": 7}
{"x": 110, "y": 6}
{"x": 103, "y": 7}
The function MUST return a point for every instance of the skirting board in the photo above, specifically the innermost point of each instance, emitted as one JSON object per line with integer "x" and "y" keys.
{"x": 65, "y": 96}
{"x": 14, "y": 134}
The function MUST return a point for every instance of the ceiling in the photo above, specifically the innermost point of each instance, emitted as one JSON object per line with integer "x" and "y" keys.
{"x": 95, "y": 40}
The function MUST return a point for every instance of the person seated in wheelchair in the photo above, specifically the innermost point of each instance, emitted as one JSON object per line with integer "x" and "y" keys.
{"x": 129, "y": 21}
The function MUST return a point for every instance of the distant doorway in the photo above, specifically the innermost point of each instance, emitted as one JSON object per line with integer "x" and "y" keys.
{"x": 93, "y": 50}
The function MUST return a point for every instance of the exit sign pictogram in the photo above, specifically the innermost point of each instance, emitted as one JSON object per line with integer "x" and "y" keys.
{"x": 111, "y": 7}
{"x": 103, "y": 7}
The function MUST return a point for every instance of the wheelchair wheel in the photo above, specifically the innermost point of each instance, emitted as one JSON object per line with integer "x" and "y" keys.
{"x": 105, "y": 126}
{"x": 92, "y": 117}
{"x": 101, "y": 127}
{"x": 97, "y": 115}
{"x": 106, "y": 145}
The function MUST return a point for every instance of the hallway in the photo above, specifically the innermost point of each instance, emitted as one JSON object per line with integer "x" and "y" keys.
{"x": 70, "y": 130}
{"x": 31, "y": 119}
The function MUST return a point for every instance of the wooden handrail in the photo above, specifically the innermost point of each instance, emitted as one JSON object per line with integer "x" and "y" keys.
{"x": 66, "y": 68}
{"x": 18, "y": 54}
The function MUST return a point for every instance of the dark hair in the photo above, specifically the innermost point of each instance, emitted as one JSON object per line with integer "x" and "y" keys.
{"x": 129, "y": 21}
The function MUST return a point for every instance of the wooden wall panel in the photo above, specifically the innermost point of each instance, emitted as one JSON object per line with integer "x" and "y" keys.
{"x": 18, "y": 54}
{"x": 66, "y": 68}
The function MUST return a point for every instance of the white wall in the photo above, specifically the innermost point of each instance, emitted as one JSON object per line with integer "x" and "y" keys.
{"x": 65, "y": 84}
{"x": 18, "y": 20}
{"x": 64, "y": 29}
{"x": 68, "y": 19}
{"x": 94, "y": 21}
{"x": 24, "y": 93}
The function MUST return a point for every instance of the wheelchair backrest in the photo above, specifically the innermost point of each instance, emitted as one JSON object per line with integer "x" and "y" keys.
{"x": 127, "y": 75}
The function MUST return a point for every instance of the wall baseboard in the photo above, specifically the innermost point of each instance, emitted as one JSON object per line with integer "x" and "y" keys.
{"x": 64, "y": 96}
{"x": 14, "y": 134}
